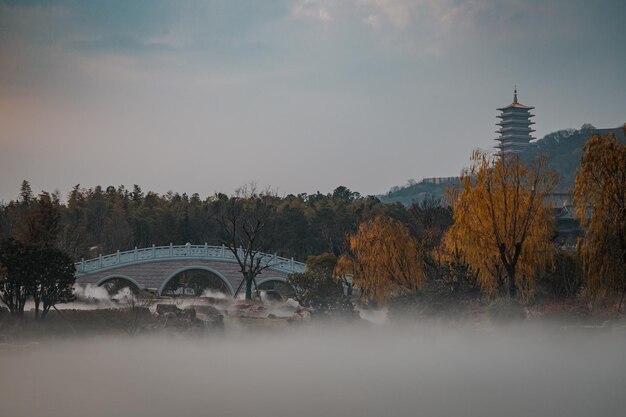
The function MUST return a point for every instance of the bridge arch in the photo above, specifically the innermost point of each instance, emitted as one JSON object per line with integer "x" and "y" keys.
{"x": 225, "y": 280}
{"x": 269, "y": 279}
{"x": 131, "y": 280}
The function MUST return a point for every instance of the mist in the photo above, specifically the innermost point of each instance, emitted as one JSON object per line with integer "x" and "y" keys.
{"x": 324, "y": 370}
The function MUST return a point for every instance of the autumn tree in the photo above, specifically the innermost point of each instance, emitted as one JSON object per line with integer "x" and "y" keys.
{"x": 502, "y": 225}
{"x": 383, "y": 259}
{"x": 600, "y": 201}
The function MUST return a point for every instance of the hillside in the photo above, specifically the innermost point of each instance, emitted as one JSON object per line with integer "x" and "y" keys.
{"x": 414, "y": 192}
{"x": 562, "y": 149}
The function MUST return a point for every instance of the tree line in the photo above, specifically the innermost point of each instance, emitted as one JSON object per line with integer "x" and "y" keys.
{"x": 104, "y": 219}
{"x": 493, "y": 234}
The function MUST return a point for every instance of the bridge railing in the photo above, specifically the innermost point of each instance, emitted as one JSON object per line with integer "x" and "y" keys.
{"x": 188, "y": 251}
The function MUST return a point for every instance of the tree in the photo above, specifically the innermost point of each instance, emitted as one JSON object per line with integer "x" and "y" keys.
{"x": 45, "y": 274}
{"x": 428, "y": 222}
{"x": 319, "y": 289}
{"x": 383, "y": 259}
{"x": 52, "y": 279}
{"x": 502, "y": 226}
{"x": 344, "y": 193}
{"x": 26, "y": 193}
{"x": 41, "y": 225}
{"x": 600, "y": 201}
{"x": 243, "y": 220}
{"x": 15, "y": 257}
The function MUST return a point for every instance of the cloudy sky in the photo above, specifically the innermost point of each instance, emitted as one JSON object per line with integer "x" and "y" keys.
{"x": 301, "y": 95}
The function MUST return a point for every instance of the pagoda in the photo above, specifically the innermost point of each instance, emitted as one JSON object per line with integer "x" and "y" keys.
{"x": 514, "y": 127}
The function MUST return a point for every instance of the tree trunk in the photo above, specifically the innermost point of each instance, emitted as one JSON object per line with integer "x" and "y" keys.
{"x": 512, "y": 285}
{"x": 619, "y": 306}
{"x": 36, "y": 309}
{"x": 248, "y": 288}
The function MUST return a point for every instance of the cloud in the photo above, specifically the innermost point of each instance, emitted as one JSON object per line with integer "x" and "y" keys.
{"x": 312, "y": 9}
{"x": 374, "y": 21}
{"x": 441, "y": 27}
{"x": 398, "y": 13}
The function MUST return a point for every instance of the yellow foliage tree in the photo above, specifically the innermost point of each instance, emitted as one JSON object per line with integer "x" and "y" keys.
{"x": 600, "y": 201}
{"x": 502, "y": 226}
{"x": 383, "y": 260}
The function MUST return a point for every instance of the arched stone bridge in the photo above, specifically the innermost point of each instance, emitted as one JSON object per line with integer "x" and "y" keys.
{"x": 154, "y": 267}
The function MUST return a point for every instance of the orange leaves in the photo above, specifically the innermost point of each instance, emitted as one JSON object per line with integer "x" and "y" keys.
{"x": 502, "y": 226}
{"x": 600, "y": 201}
{"x": 383, "y": 259}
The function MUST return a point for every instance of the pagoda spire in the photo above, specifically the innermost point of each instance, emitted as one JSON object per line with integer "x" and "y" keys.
{"x": 515, "y": 94}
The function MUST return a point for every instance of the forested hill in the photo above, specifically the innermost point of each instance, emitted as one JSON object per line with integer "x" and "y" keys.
{"x": 414, "y": 192}
{"x": 562, "y": 149}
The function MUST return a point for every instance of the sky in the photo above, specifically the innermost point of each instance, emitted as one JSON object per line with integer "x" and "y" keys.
{"x": 298, "y": 95}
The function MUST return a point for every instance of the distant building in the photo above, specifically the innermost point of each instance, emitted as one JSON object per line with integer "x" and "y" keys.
{"x": 440, "y": 180}
{"x": 514, "y": 127}
{"x": 568, "y": 229}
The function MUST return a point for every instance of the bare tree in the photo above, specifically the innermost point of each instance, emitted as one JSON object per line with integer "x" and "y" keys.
{"x": 243, "y": 219}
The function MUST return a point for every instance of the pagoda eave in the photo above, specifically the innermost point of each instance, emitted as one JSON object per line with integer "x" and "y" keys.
{"x": 519, "y": 122}
{"x": 516, "y": 129}
{"x": 508, "y": 115}
{"x": 515, "y": 106}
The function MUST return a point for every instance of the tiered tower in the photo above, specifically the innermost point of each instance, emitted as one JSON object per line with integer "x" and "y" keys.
{"x": 514, "y": 127}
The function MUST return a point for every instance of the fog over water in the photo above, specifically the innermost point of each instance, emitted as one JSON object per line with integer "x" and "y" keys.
{"x": 325, "y": 371}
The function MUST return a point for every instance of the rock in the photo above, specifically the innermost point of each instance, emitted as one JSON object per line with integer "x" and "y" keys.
{"x": 301, "y": 315}
{"x": 304, "y": 313}
{"x": 242, "y": 305}
{"x": 257, "y": 310}
{"x": 247, "y": 309}
{"x": 171, "y": 311}
{"x": 215, "y": 300}
{"x": 292, "y": 303}
{"x": 166, "y": 308}
{"x": 206, "y": 310}
{"x": 188, "y": 313}
{"x": 210, "y": 316}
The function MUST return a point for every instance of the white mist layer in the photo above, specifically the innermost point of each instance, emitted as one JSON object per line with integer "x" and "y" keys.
{"x": 325, "y": 372}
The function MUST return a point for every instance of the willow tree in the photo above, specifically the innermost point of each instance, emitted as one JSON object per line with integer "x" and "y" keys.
{"x": 600, "y": 201}
{"x": 502, "y": 225}
{"x": 383, "y": 259}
